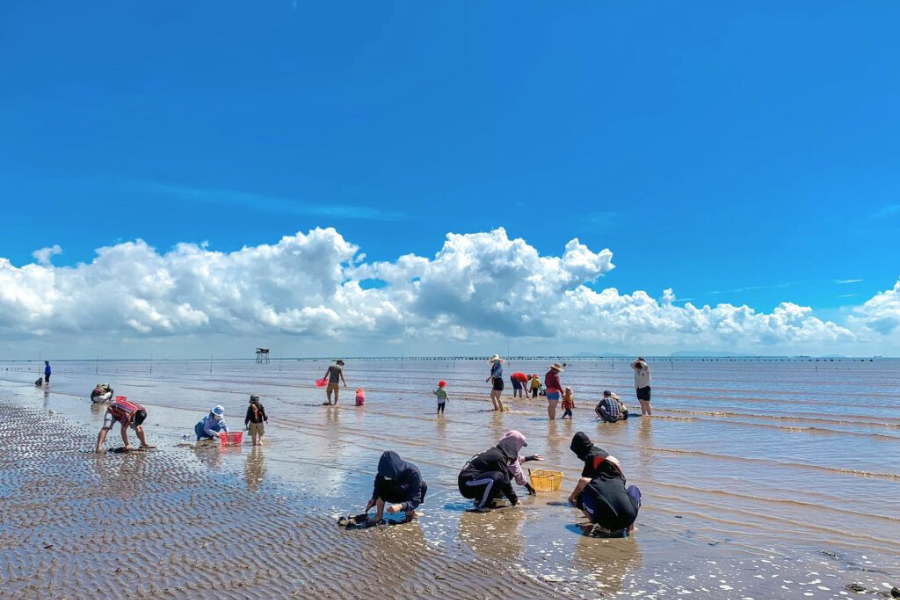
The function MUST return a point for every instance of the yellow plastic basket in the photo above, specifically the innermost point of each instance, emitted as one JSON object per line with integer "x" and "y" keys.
{"x": 546, "y": 481}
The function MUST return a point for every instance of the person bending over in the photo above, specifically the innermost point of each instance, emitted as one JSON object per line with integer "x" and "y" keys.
{"x": 398, "y": 486}
{"x": 601, "y": 493}
{"x": 129, "y": 415}
{"x": 488, "y": 475}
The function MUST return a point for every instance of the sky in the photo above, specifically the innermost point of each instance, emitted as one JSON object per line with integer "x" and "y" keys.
{"x": 448, "y": 177}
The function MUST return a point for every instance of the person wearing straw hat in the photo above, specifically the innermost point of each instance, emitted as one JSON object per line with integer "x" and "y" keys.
{"x": 554, "y": 389}
{"x": 496, "y": 379}
{"x": 601, "y": 493}
{"x": 212, "y": 425}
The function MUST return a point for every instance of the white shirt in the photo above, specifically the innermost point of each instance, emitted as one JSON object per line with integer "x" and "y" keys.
{"x": 642, "y": 377}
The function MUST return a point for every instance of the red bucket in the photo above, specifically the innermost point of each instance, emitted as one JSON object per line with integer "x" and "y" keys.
{"x": 232, "y": 438}
{"x": 321, "y": 382}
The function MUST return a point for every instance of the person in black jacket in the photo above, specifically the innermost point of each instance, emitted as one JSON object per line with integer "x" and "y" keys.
{"x": 601, "y": 493}
{"x": 487, "y": 475}
{"x": 255, "y": 420}
{"x": 399, "y": 484}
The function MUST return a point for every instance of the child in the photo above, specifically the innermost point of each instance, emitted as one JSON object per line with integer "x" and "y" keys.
{"x": 256, "y": 420}
{"x": 568, "y": 403}
{"x": 535, "y": 385}
{"x": 441, "y": 393}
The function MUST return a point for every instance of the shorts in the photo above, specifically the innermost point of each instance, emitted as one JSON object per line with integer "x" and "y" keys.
{"x": 553, "y": 396}
{"x": 498, "y": 384}
{"x": 644, "y": 394}
{"x": 333, "y": 387}
{"x": 109, "y": 420}
{"x": 257, "y": 428}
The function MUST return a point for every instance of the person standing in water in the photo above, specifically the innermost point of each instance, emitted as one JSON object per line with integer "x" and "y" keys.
{"x": 496, "y": 379}
{"x": 255, "y": 420}
{"x": 642, "y": 384}
{"x": 335, "y": 375}
{"x": 441, "y": 393}
{"x": 398, "y": 488}
{"x": 554, "y": 389}
{"x": 535, "y": 385}
{"x": 47, "y": 371}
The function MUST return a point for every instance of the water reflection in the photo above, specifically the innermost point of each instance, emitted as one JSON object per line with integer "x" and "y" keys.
{"x": 255, "y": 468}
{"x": 494, "y": 535}
{"x": 609, "y": 561}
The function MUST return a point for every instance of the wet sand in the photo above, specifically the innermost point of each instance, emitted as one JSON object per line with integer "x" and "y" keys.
{"x": 756, "y": 482}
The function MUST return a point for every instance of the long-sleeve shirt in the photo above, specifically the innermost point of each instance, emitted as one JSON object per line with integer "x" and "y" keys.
{"x": 398, "y": 481}
{"x": 255, "y": 414}
{"x": 441, "y": 394}
{"x": 47, "y": 370}
{"x": 209, "y": 426}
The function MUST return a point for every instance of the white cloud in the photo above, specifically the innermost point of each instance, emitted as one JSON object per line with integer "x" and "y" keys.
{"x": 478, "y": 288}
{"x": 846, "y": 281}
{"x": 44, "y": 255}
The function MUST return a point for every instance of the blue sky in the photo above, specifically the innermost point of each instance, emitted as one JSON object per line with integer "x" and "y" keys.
{"x": 736, "y": 152}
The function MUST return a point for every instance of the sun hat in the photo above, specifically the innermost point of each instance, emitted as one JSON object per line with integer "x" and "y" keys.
{"x": 219, "y": 411}
{"x": 254, "y": 398}
{"x": 495, "y": 358}
{"x": 614, "y": 461}
{"x": 536, "y": 376}
{"x": 442, "y": 383}
{"x": 557, "y": 367}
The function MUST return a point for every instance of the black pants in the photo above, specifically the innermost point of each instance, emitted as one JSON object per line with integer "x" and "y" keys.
{"x": 47, "y": 378}
{"x": 391, "y": 496}
{"x": 483, "y": 488}
{"x": 440, "y": 408}
{"x": 534, "y": 392}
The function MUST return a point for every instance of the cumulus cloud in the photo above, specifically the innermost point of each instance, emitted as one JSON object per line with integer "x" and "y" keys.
{"x": 477, "y": 287}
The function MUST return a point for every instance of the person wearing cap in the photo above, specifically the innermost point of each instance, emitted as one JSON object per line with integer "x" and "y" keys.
{"x": 496, "y": 379}
{"x": 398, "y": 488}
{"x": 554, "y": 389}
{"x": 601, "y": 493}
{"x": 535, "y": 385}
{"x": 212, "y": 425}
{"x": 130, "y": 415}
{"x": 611, "y": 409}
{"x": 642, "y": 384}
{"x": 335, "y": 375}
{"x": 441, "y": 394}
{"x": 255, "y": 420}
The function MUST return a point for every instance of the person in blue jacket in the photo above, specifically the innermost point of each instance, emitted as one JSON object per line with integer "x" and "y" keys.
{"x": 398, "y": 485}
{"x": 47, "y": 371}
{"x": 212, "y": 425}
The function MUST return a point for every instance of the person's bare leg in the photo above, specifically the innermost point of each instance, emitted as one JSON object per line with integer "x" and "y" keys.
{"x": 551, "y": 409}
{"x": 337, "y": 393}
{"x": 494, "y": 399}
{"x": 141, "y": 436}
{"x": 328, "y": 394}
{"x": 125, "y": 437}
{"x": 379, "y": 509}
{"x": 645, "y": 408}
{"x": 101, "y": 437}
{"x": 500, "y": 404}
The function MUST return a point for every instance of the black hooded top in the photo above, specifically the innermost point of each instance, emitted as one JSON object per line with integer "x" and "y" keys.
{"x": 607, "y": 485}
{"x": 397, "y": 478}
{"x": 496, "y": 459}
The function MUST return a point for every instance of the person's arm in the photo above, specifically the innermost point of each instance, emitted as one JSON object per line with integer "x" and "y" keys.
{"x": 207, "y": 430}
{"x": 125, "y": 435}
{"x": 265, "y": 416}
{"x": 582, "y": 483}
{"x": 510, "y": 493}
{"x": 224, "y": 425}
{"x": 415, "y": 498}
{"x": 342, "y": 378}
{"x": 532, "y": 457}
{"x": 248, "y": 416}
{"x": 374, "y": 497}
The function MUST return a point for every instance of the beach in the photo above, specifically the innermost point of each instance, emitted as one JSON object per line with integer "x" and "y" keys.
{"x": 760, "y": 478}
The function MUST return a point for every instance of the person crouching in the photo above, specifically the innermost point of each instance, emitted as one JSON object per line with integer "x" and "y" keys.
{"x": 398, "y": 485}
{"x": 212, "y": 425}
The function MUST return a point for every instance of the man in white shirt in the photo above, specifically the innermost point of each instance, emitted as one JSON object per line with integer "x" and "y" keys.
{"x": 642, "y": 384}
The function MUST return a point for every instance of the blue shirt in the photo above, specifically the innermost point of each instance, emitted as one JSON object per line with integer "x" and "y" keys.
{"x": 209, "y": 427}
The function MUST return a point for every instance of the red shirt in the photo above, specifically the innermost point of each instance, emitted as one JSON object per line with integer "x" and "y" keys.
{"x": 551, "y": 381}
{"x": 123, "y": 411}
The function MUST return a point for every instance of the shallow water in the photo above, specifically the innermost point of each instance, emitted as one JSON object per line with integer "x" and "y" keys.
{"x": 775, "y": 478}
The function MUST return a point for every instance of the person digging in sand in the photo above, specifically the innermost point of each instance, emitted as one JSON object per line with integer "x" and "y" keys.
{"x": 489, "y": 475}
{"x": 601, "y": 493}
{"x": 129, "y": 415}
{"x": 398, "y": 488}
{"x": 212, "y": 425}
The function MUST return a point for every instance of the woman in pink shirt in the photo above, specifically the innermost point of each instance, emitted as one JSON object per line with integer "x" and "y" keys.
{"x": 554, "y": 389}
